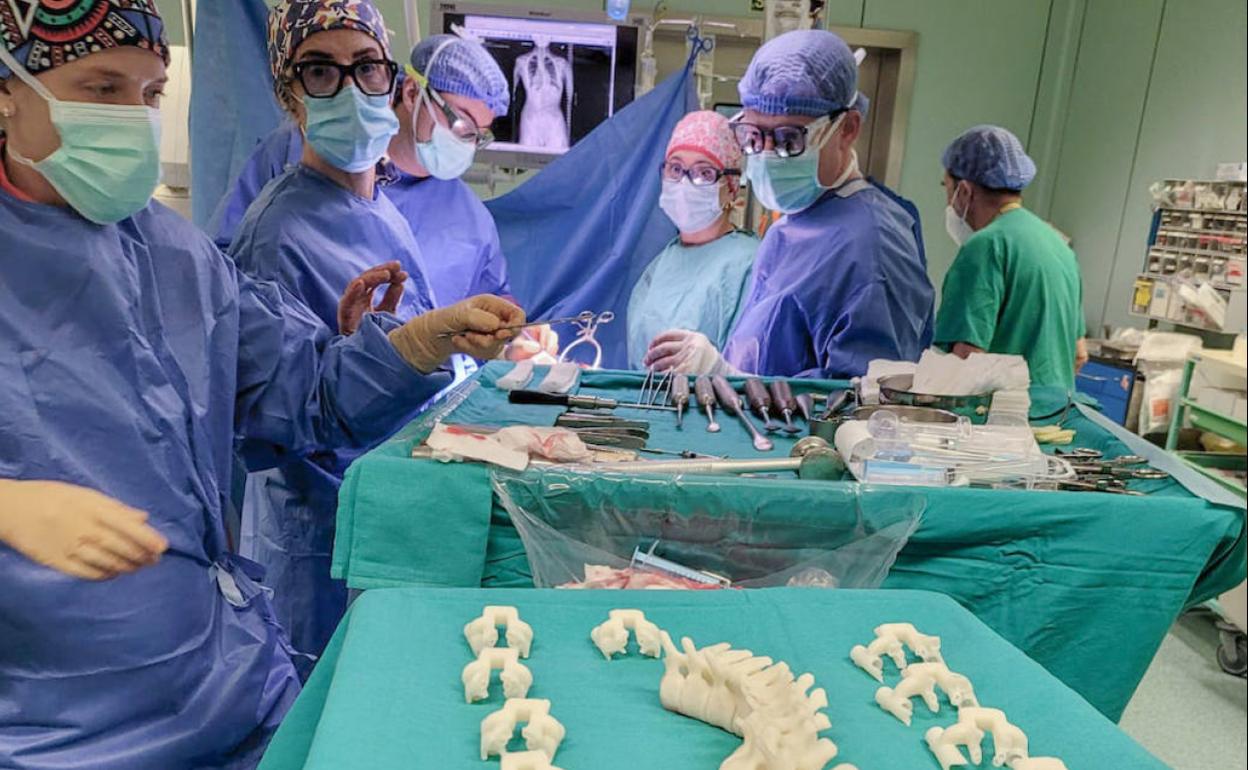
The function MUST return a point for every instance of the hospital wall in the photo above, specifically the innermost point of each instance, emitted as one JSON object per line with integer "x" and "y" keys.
{"x": 1108, "y": 96}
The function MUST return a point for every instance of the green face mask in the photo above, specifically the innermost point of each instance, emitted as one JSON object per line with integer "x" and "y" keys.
{"x": 108, "y": 164}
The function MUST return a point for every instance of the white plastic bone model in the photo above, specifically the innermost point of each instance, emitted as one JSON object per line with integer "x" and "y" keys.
{"x": 1009, "y": 741}
{"x": 611, "y": 636}
{"x": 526, "y": 760}
{"x": 891, "y": 639}
{"x": 1039, "y": 763}
{"x": 944, "y": 743}
{"x": 925, "y": 646}
{"x": 542, "y": 732}
{"x": 483, "y": 631}
{"x": 778, "y": 716}
{"x": 516, "y": 677}
{"x": 921, "y": 679}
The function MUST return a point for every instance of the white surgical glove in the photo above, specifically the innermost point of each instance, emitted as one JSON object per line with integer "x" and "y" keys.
{"x": 686, "y": 352}
{"x": 481, "y": 319}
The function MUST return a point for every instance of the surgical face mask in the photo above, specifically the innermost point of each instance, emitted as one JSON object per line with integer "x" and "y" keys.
{"x": 956, "y": 225}
{"x": 445, "y": 155}
{"x": 790, "y": 185}
{"x": 690, "y": 207}
{"x": 350, "y": 130}
{"x": 108, "y": 164}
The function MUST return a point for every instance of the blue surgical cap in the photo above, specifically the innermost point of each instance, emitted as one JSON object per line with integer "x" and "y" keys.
{"x": 990, "y": 156}
{"x": 455, "y": 65}
{"x": 806, "y": 72}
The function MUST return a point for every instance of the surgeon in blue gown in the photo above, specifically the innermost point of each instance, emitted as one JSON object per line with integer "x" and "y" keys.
{"x": 135, "y": 360}
{"x": 311, "y": 230}
{"x": 841, "y": 279}
{"x": 455, "y": 231}
{"x": 325, "y": 219}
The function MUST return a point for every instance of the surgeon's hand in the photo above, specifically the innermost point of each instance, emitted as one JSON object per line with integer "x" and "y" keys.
{"x": 474, "y": 326}
{"x": 76, "y": 530}
{"x": 358, "y": 298}
{"x": 532, "y": 342}
{"x": 1081, "y": 353}
{"x": 685, "y": 352}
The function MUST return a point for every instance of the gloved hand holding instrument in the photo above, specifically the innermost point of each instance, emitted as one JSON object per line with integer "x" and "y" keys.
{"x": 479, "y": 326}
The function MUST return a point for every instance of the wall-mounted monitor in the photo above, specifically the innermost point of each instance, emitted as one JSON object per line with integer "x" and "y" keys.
{"x": 568, "y": 72}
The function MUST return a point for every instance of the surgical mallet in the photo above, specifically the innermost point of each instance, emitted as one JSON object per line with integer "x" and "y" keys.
{"x": 704, "y": 392}
{"x": 680, "y": 397}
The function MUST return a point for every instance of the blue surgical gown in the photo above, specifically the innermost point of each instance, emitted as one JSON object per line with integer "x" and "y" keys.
{"x": 454, "y": 229}
{"x": 698, "y": 288}
{"x": 134, "y": 360}
{"x": 455, "y": 232}
{"x": 836, "y": 286}
{"x": 313, "y": 237}
{"x": 273, "y": 156}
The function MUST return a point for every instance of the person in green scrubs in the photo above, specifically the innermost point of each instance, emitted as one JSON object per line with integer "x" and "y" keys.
{"x": 1014, "y": 286}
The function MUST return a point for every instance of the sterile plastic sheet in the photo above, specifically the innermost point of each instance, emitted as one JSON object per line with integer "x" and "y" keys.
{"x": 846, "y": 536}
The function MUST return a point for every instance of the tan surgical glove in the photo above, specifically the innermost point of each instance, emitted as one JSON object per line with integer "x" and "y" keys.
{"x": 76, "y": 530}
{"x": 482, "y": 318}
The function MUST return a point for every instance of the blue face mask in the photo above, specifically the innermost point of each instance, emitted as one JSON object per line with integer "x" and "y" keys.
{"x": 790, "y": 185}
{"x": 350, "y": 130}
{"x": 108, "y": 164}
{"x": 444, "y": 156}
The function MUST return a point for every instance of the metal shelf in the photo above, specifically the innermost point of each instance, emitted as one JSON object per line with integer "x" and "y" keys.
{"x": 1227, "y": 212}
{"x": 1212, "y": 422}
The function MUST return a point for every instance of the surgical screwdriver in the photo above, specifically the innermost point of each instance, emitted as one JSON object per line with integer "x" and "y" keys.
{"x": 680, "y": 397}
{"x": 782, "y": 396}
{"x": 705, "y": 394}
{"x": 731, "y": 403}
{"x": 577, "y": 402}
{"x": 759, "y": 399}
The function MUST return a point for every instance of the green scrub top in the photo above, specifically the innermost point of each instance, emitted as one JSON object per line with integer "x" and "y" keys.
{"x": 1015, "y": 288}
{"x": 699, "y": 288}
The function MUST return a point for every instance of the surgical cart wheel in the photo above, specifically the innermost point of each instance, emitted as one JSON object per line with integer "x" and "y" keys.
{"x": 1233, "y": 651}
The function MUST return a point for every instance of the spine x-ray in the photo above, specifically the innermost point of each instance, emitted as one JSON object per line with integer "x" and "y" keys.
{"x": 546, "y": 80}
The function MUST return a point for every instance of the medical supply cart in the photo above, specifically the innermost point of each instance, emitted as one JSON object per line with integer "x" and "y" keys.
{"x": 1220, "y": 411}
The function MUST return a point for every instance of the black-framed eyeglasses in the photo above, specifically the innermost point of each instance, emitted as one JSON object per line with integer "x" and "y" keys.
{"x": 699, "y": 174}
{"x": 788, "y": 141}
{"x": 463, "y": 127}
{"x": 322, "y": 79}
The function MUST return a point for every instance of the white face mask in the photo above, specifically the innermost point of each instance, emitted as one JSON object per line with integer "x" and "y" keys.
{"x": 956, "y": 225}
{"x": 690, "y": 207}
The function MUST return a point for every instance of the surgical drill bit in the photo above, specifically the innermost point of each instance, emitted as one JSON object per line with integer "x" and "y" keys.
{"x": 782, "y": 397}
{"x": 705, "y": 394}
{"x": 680, "y": 397}
{"x": 731, "y": 403}
{"x": 759, "y": 399}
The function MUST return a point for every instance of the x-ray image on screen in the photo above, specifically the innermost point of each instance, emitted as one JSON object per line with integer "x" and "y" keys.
{"x": 543, "y": 81}
{"x": 566, "y": 77}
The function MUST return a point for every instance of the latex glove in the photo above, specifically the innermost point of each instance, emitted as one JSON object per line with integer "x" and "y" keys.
{"x": 358, "y": 298}
{"x": 76, "y": 530}
{"x": 481, "y": 318}
{"x": 686, "y": 352}
{"x": 532, "y": 342}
